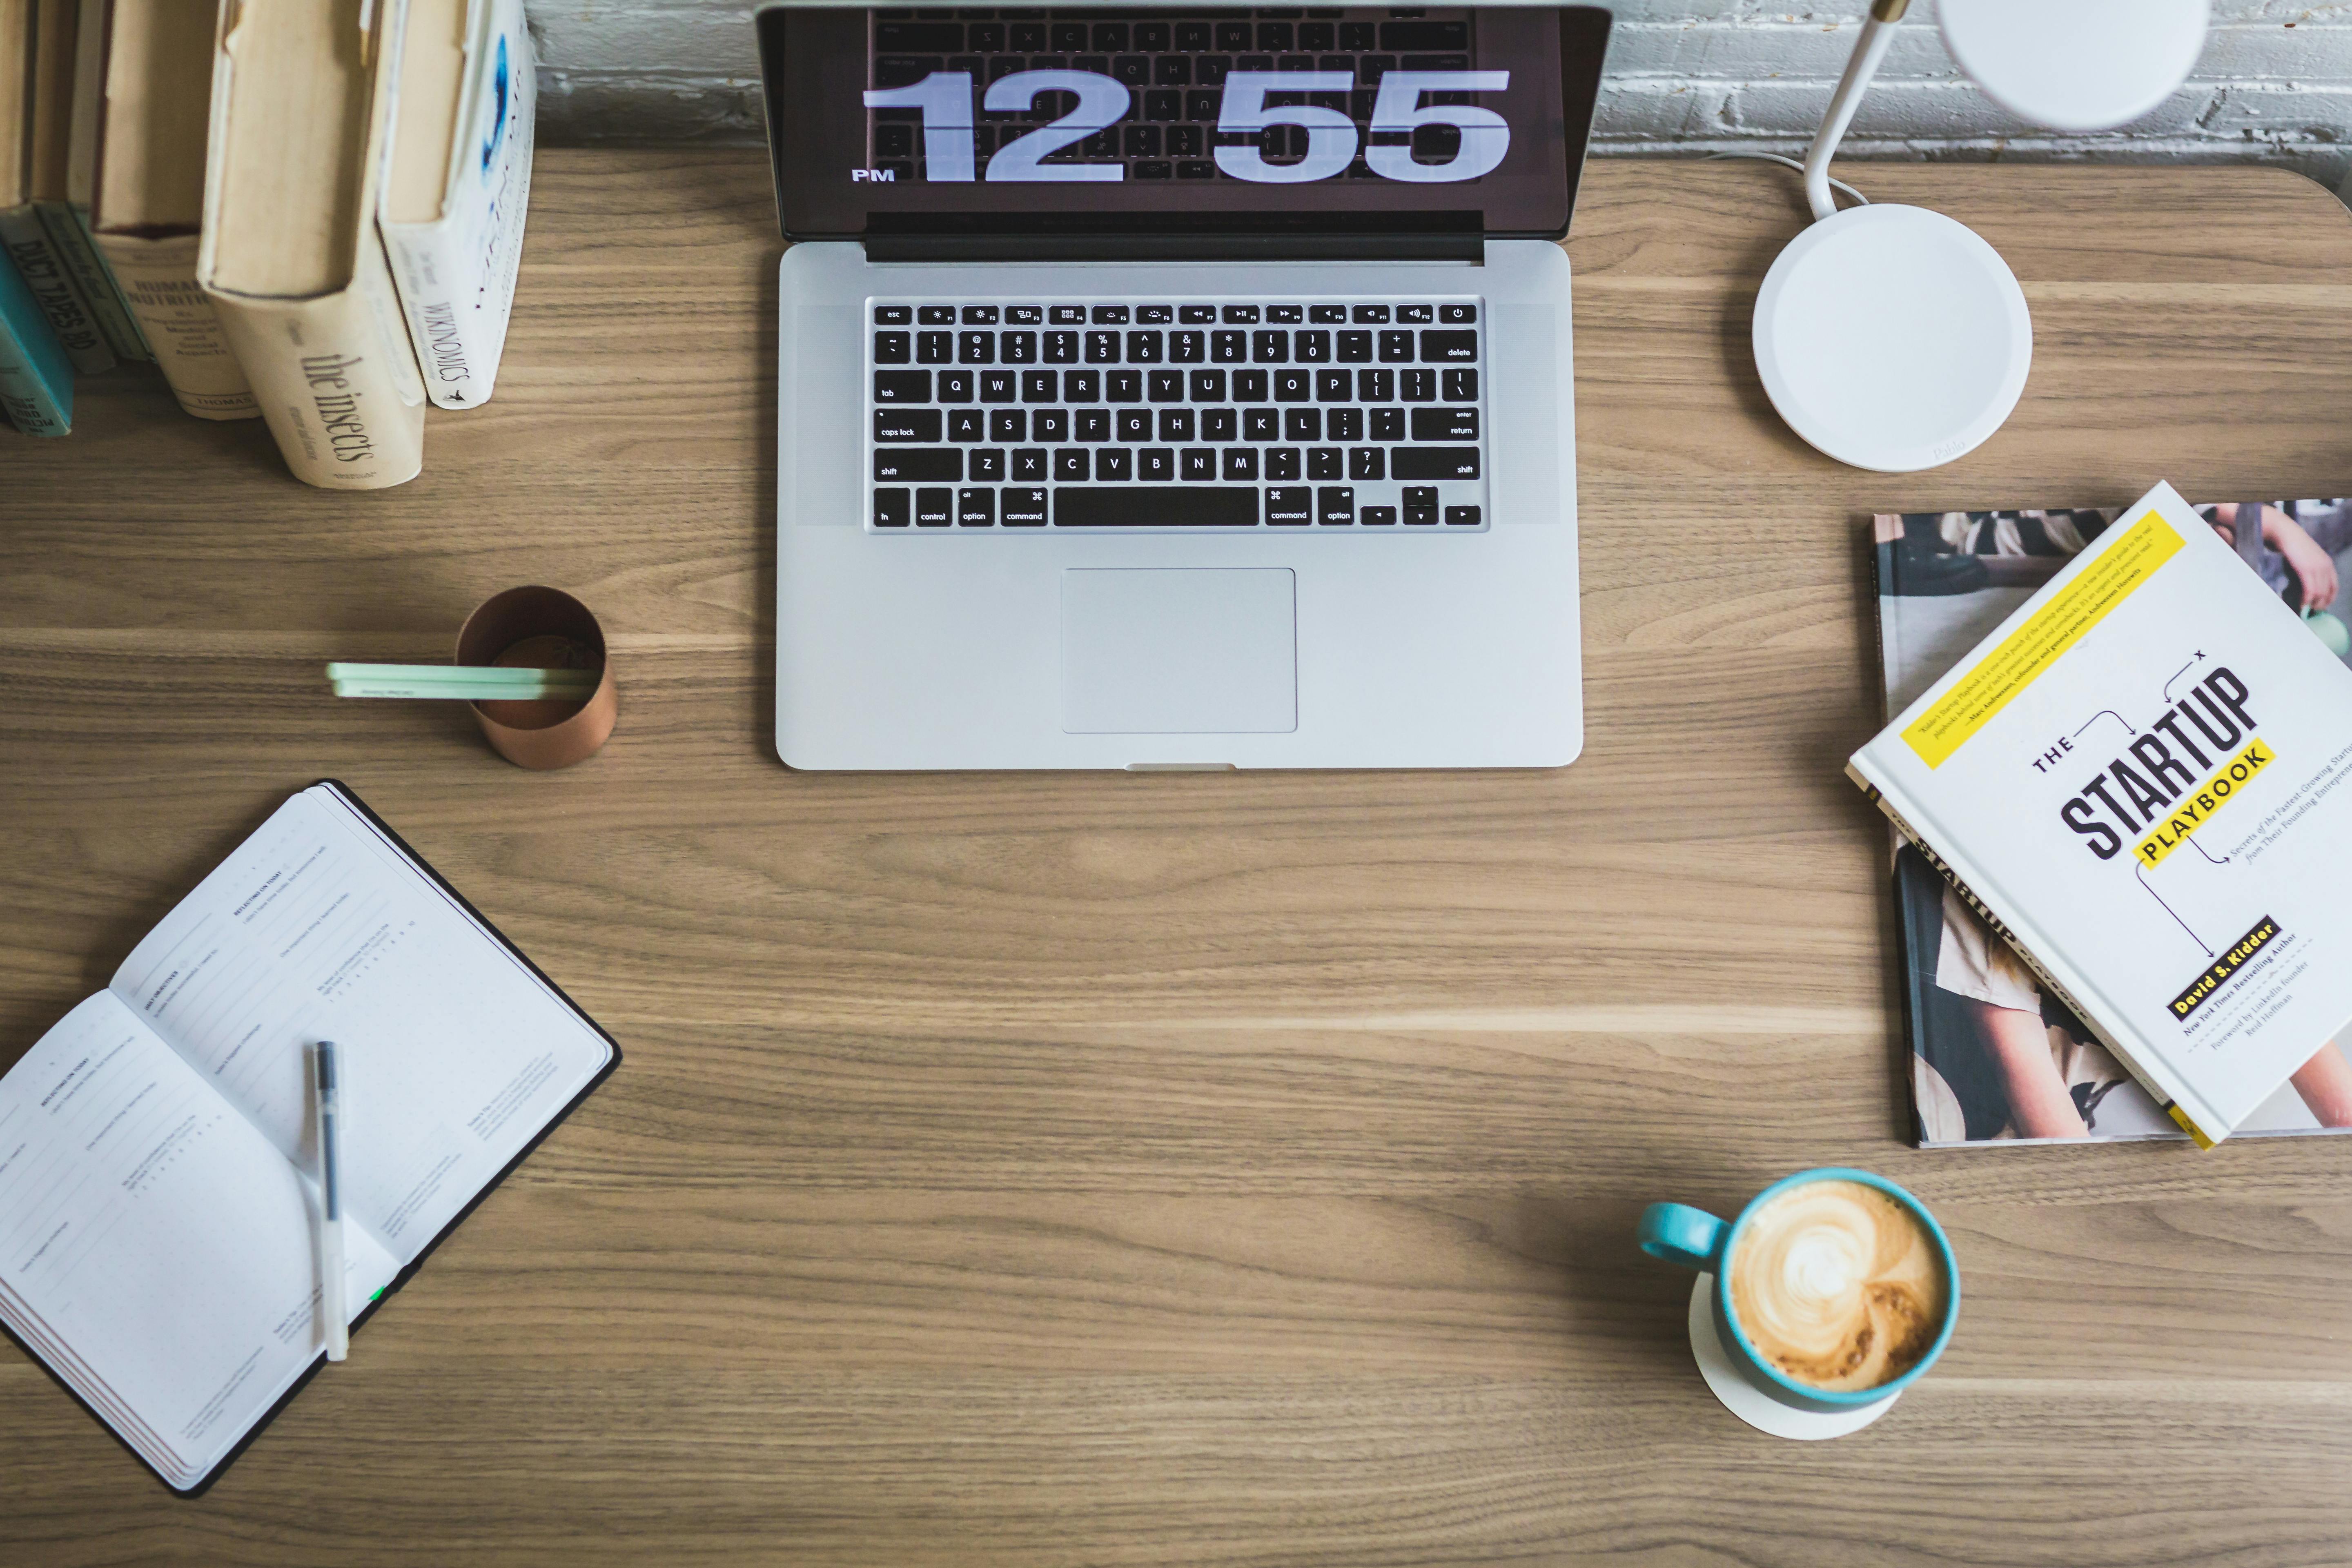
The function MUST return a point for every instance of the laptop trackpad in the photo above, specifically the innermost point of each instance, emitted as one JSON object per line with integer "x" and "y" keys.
{"x": 1179, "y": 651}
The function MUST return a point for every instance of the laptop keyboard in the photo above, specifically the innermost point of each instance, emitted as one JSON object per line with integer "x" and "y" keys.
{"x": 1187, "y": 413}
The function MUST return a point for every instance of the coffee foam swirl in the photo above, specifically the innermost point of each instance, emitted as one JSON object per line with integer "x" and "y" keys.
{"x": 1838, "y": 1285}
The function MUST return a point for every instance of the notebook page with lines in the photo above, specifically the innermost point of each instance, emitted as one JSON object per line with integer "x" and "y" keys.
{"x": 156, "y": 1146}
{"x": 454, "y": 1050}
{"x": 158, "y": 1250}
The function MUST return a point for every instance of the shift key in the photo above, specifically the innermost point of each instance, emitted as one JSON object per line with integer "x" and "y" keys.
{"x": 912, "y": 425}
{"x": 1430, "y": 462}
{"x": 918, "y": 465}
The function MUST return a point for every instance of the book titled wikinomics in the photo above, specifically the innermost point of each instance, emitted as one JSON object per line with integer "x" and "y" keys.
{"x": 454, "y": 198}
{"x": 2138, "y": 779}
{"x": 157, "y": 1211}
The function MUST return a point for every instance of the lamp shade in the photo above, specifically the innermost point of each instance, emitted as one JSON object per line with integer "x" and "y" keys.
{"x": 2076, "y": 65}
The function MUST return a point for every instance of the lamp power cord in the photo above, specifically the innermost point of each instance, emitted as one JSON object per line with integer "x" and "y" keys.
{"x": 1786, "y": 162}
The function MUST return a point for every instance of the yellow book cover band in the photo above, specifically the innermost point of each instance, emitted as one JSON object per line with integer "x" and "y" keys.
{"x": 2188, "y": 1127}
{"x": 2002, "y": 675}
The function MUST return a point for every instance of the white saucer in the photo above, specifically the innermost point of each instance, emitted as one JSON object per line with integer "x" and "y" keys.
{"x": 1750, "y": 1403}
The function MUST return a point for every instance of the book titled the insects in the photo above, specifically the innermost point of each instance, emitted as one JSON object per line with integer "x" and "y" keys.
{"x": 2138, "y": 780}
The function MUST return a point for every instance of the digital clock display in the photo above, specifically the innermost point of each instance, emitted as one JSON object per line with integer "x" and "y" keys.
{"x": 1342, "y": 119}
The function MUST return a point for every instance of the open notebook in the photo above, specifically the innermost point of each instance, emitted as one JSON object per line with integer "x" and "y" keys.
{"x": 157, "y": 1149}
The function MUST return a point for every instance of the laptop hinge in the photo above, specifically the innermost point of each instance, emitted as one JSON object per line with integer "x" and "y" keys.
{"x": 1469, "y": 247}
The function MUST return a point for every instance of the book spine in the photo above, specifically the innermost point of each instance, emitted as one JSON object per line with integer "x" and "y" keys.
{"x": 2107, "y": 1037}
{"x": 70, "y": 234}
{"x": 28, "y": 245}
{"x": 456, "y": 351}
{"x": 1882, "y": 565}
{"x": 159, "y": 277}
{"x": 456, "y": 275}
{"x": 24, "y": 400}
{"x": 334, "y": 379}
{"x": 36, "y": 377}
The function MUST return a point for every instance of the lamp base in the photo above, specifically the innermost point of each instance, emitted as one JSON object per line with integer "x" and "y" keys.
{"x": 1892, "y": 338}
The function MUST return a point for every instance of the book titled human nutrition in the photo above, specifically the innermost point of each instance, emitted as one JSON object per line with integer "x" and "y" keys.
{"x": 301, "y": 113}
{"x": 2136, "y": 780}
{"x": 148, "y": 200}
{"x": 458, "y": 186}
{"x": 158, "y": 1200}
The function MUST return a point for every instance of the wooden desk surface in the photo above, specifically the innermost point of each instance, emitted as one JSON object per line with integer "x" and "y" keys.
{"x": 1178, "y": 1169}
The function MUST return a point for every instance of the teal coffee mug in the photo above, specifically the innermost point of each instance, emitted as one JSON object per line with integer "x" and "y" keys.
{"x": 1855, "y": 1291}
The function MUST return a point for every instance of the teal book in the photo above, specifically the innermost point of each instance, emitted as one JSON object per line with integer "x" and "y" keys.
{"x": 36, "y": 378}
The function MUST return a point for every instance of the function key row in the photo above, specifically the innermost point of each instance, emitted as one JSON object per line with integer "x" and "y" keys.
{"x": 1169, "y": 315}
{"x": 1417, "y": 384}
{"x": 1029, "y": 31}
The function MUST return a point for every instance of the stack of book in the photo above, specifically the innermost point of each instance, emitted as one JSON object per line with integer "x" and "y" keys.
{"x": 308, "y": 211}
{"x": 2117, "y": 752}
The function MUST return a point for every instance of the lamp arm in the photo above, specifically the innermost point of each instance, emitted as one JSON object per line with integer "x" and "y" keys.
{"x": 1877, "y": 33}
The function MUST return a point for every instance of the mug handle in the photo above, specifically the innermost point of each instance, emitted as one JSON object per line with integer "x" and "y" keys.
{"x": 1680, "y": 1233}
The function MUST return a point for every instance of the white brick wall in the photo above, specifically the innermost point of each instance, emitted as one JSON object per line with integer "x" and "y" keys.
{"x": 1685, "y": 75}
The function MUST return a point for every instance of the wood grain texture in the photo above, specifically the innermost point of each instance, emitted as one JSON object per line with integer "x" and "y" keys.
{"x": 1234, "y": 1170}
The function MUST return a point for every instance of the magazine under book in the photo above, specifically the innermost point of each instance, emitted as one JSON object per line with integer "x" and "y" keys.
{"x": 1993, "y": 1057}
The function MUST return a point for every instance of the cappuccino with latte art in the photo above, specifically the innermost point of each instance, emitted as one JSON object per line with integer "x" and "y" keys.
{"x": 1837, "y": 1285}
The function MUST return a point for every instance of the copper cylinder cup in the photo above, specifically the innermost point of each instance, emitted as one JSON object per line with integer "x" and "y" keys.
{"x": 541, "y": 629}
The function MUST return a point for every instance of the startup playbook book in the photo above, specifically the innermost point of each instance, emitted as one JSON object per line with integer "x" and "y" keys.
{"x": 2136, "y": 780}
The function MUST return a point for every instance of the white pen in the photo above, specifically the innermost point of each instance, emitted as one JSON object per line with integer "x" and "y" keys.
{"x": 327, "y": 1090}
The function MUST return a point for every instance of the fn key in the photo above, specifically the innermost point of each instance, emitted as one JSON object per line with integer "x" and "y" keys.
{"x": 891, "y": 508}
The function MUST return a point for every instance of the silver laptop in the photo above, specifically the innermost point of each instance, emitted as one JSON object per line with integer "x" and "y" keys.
{"x": 1171, "y": 389}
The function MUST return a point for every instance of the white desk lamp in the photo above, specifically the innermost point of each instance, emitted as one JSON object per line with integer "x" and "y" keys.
{"x": 1894, "y": 337}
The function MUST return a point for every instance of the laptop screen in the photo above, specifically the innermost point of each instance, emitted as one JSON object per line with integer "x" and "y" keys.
{"x": 1358, "y": 119}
